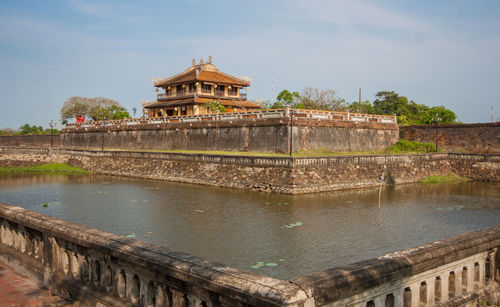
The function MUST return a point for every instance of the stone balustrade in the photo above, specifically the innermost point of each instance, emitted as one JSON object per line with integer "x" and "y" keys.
{"x": 95, "y": 267}
{"x": 459, "y": 271}
{"x": 102, "y": 269}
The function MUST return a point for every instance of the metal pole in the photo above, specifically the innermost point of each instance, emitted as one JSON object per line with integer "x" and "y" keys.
{"x": 102, "y": 142}
{"x": 436, "y": 127}
{"x": 291, "y": 133}
{"x": 51, "y": 133}
{"x": 436, "y": 137}
{"x": 360, "y": 96}
{"x": 380, "y": 193}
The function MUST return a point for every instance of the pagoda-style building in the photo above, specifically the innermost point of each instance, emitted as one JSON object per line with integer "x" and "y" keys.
{"x": 189, "y": 92}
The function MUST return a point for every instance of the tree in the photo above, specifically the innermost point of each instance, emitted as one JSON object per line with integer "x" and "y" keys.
{"x": 27, "y": 129}
{"x": 75, "y": 106}
{"x": 215, "y": 106}
{"x": 438, "y": 115}
{"x": 410, "y": 112}
{"x": 365, "y": 107}
{"x": 7, "y": 131}
{"x": 98, "y": 108}
{"x": 111, "y": 112}
{"x": 313, "y": 98}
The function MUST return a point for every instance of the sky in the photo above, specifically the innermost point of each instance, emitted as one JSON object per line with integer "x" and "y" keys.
{"x": 433, "y": 52}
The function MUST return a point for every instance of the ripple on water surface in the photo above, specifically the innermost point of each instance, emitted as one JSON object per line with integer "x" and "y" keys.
{"x": 279, "y": 235}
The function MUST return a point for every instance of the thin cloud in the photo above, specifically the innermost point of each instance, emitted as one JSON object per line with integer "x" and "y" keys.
{"x": 103, "y": 10}
{"x": 93, "y": 9}
{"x": 357, "y": 12}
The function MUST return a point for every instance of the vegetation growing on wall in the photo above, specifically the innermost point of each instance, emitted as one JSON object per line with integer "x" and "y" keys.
{"x": 438, "y": 179}
{"x": 404, "y": 146}
{"x": 52, "y": 168}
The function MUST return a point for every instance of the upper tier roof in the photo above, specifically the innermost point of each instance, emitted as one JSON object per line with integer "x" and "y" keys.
{"x": 205, "y": 72}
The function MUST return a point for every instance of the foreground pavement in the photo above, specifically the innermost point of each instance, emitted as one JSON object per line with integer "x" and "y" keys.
{"x": 16, "y": 290}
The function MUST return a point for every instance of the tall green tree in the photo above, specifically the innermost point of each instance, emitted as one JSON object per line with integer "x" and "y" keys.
{"x": 410, "y": 112}
{"x": 437, "y": 115}
{"x": 30, "y": 129}
{"x": 285, "y": 98}
{"x": 365, "y": 107}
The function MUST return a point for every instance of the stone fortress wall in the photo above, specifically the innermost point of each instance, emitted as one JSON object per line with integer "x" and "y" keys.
{"x": 474, "y": 138}
{"x": 256, "y": 131}
{"x": 277, "y": 174}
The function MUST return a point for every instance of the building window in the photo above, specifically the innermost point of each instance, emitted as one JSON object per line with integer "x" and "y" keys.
{"x": 206, "y": 88}
{"x": 168, "y": 91}
{"x": 232, "y": 91}
{"x": 220, "y": 91}
{"x": 180, "y": 90}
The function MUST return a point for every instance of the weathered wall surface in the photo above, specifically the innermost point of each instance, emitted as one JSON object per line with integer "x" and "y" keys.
{"x": 474, "y": 138}
{"x": 255, "y": 135}
{"x": 342, "y": 136}
{"x": 277, "y": 174}
{"x": 102, "y": 269}
{"x": 30, "y": 140}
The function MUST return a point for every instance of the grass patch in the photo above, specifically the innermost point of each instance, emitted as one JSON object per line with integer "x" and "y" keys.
{"x": 438, "y": 179}
{"x": 404, "y": 146}
{"x": 401, "y": 147}
{"x": 320, "y": 152}
{"x": 50, "y": 168}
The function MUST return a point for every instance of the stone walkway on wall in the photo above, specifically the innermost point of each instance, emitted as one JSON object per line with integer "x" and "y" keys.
{"x": 16, "y": 290}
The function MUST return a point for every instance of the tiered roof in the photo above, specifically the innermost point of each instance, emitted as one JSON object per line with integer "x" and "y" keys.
{"x": 204, "y": 72}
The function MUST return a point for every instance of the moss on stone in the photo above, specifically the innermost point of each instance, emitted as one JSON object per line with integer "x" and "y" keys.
{"x": 59, "y": 168}
{"x": 439, "y": 179}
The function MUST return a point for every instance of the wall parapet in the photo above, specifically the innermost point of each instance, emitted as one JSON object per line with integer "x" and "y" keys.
{"x": 260, "y": 114}
{"x": 93, "y": 266}
{"x": 428, "y": 275}
{"x": 79, "y": 262}
{"x": 259, "y": 160}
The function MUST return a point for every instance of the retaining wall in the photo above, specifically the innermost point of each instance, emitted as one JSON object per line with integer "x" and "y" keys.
{"x": 251, "y": 134}
{"x": 277, "y": 174}
{"x": 30, "y": 140}
{"x": 103, "y": 269}
{"x": 474, "y": 138}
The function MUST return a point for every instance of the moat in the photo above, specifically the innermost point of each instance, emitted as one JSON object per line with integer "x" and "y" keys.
{"x": 279, "y": 235}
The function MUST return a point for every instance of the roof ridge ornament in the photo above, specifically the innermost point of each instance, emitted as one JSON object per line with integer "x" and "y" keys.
{"x": 193, "y": 62}
{"x": 209, "y": 59}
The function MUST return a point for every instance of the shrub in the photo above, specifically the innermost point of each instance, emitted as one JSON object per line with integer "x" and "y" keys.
{"x": 405, "y": 146}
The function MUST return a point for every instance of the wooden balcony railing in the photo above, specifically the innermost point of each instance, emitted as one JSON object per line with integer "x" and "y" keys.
{"x": 187, "y": 93}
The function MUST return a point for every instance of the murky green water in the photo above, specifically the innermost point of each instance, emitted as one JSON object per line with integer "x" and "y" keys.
{"x": 293, "y": 235}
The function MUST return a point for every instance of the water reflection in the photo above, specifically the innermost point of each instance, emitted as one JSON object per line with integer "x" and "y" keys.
{"x": 300, "y": 233}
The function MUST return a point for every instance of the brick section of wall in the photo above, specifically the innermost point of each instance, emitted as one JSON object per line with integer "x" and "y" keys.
{"x": 254, "y": 135}
{"x": 474, "y": 138}
{"x": 30, "y": 140}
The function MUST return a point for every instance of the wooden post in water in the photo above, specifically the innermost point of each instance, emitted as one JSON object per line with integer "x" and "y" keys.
{"x": 382, "y": 179}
